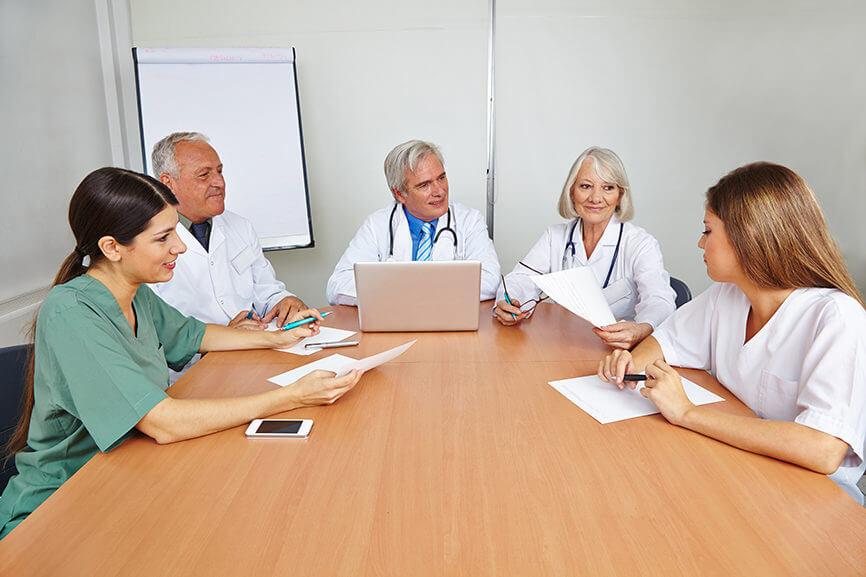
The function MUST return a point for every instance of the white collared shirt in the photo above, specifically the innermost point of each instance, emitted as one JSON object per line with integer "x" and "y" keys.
{"x": 806, "y": 365}
{"x": 214, "y": 286}
{"x": 639, "y": 288}
{"x": 372, "y": 242}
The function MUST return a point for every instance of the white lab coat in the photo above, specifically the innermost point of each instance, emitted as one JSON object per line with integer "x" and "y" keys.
{"x": 215, "y": 286}
{"x": 806, "y": 365}
{"x": 370, "y": 244}
{"x": 639, "y": 287}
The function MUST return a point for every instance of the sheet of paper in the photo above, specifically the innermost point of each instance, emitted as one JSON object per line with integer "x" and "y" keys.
{"x": 326, "y": 335}
{"x": 331, "y": 363}
{"x": 340, "y": 365}
{"x": 374, "y": 361}
{"x": 607, "y": 404}
{"x": 577, "y": 290}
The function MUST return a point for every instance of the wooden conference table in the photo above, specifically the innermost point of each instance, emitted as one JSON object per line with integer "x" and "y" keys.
{"x": 456, "y": 459}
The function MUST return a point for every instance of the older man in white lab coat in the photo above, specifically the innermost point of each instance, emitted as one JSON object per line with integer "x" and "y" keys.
{"x": 224, "y": 274}
{"x": 421, "y": 224}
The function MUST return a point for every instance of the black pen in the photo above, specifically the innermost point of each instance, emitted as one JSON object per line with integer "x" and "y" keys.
{"x": 633, "y": 378}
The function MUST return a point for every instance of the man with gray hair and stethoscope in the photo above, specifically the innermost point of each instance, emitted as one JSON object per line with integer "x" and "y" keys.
{"x": 421, "y": 224}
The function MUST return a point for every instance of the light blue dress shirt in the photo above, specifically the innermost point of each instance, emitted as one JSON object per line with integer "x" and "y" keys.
{"x": 415, "y": 225}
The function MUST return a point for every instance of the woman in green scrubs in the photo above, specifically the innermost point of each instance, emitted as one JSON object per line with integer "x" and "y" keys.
{"x": 104, "y": 342}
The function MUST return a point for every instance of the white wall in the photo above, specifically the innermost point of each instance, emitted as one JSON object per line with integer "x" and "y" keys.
{"x": 55, "y": 130}
{"x": 371, "y": 75}
{"x": 684, "y": 91}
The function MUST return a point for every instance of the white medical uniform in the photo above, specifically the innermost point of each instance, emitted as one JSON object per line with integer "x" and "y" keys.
{"x": 214, "y": 286}
{"x": 371, "y": 243}
{"x": 806, "y": 365}
{"x": 639, "y": 287}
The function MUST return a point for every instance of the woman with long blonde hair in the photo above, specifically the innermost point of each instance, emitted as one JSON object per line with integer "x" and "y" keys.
{"x": 783, "y": 328}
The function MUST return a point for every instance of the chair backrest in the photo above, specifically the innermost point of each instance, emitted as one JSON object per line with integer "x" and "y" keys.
{"x": 684, "y": 295}
{"x": 13, "y": 363}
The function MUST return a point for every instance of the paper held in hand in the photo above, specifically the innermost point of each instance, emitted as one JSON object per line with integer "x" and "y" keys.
{"x": 577, "y": 290}
{"x": 340, "y": 365}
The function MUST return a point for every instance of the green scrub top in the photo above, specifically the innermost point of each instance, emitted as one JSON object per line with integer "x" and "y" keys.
{"x": 94, "y": 380}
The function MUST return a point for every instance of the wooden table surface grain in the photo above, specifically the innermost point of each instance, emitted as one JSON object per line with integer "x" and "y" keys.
{"x": 455, "y": 459}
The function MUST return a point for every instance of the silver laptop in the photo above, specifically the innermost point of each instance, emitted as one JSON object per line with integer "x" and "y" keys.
{"x": 418, "y": 296}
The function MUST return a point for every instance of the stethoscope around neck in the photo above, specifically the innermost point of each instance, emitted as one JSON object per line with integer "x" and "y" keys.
{"x": 447, "y": 229}
{"x": 568, "y": 260}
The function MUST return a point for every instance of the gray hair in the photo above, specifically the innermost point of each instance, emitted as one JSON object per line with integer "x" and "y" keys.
{"x": 405, "y": 157}
{"x": 607, "y": 166}
{"x": 162, "y": 157}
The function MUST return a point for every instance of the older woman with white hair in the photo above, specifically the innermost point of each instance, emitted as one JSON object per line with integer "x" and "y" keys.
{"x": 625, "y": 259}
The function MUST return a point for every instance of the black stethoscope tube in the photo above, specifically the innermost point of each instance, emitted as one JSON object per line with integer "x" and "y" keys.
{"x": 570, "y": 244}
{"x": 435, "y": 238}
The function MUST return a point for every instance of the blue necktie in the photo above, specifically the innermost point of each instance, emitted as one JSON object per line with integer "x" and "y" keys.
{"x": 201, "y": 232}
{"x": 425, "y": 245}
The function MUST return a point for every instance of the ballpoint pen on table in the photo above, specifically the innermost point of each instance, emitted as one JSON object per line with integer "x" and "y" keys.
{"x": 331, "y": 345}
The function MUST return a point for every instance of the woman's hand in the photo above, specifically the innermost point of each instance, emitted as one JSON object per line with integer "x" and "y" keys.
{"x": 664, "y": 388}
{"x": 510, "y": 314}
{"x": 178, "y": 419}
{"x": 614, "y": 366}
{"x": 322, "y": 387}
{"x": 624, "y": 334}
{"x": 304, "y": 314}
{"x": 282, "y": 339}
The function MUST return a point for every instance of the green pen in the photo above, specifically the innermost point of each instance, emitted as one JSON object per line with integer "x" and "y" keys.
{"x": 302, "y": 322}
{"x": 507, "y": 298}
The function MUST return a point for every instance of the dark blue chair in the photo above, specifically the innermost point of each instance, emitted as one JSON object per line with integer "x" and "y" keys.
{"x": 13, "y": 364}
{"x": 684, "y": 295}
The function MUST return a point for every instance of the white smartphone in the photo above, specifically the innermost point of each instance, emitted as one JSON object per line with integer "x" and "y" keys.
{"x": 291, "y": 428}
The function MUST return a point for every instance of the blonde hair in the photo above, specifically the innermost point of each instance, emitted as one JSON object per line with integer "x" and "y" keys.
{"x": 607, "y": 166}
{"x": 777, "y": 229}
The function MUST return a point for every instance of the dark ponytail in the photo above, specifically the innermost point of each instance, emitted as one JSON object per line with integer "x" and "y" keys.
{"x": 73, "y": 266}
{"x": 109, "y": 202}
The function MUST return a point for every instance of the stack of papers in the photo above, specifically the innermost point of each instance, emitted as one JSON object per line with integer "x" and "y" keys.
{"x": 606, "y": 403}
{"x": 340, "y": 365}
{"x": 577, "y": 290}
